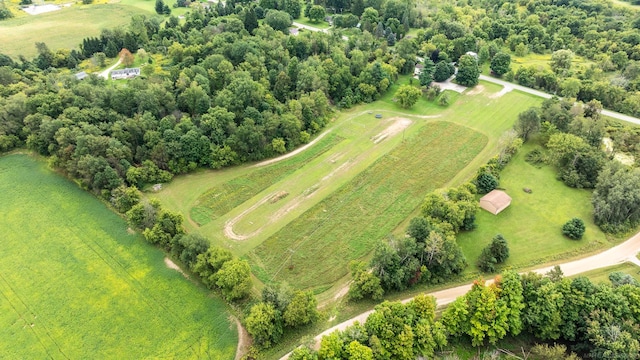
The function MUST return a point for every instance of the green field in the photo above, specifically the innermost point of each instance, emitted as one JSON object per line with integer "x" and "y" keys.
{"x": 532, "y": 224}
{"x": 74, "y": 283}
{"x": 347, "y": 224}
{"x": 64, "y": 28}
{"x": 302, "y": 219}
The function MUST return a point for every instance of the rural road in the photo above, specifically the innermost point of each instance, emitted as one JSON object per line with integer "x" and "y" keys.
{"x": 625, "y": 252}
{"x": 527, "y": 90}
{"x": 507, "y": 84}
{"x": 105, "y": 74}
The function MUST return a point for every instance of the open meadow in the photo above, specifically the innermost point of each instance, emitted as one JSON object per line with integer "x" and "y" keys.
{"x": 301, "y": 220}
{"x": 75, "y": 284}
{"x": 64, "y": 28}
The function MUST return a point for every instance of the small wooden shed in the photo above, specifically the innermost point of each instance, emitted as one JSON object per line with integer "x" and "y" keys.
{"x": 495, "y": 201}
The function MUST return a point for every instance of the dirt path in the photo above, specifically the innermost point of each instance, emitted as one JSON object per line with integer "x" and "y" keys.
{"x": 228, "y": 226}
{"x": 105, "y": 74}
{"x": 244, "y": 340}
{"x": 625, "y": 252}
{"x": 314, "y": 141}
{"x": 171, "y": 265}
{"x": 294, "y": 152}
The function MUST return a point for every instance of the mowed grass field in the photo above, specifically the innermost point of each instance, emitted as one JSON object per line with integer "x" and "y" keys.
{"x": 75, "y": 284}
{"x": 315, "y": 249}
{"x": 64, "y": 28}
{"x": 313, "y": 240}
{"x": 532, "y": 224}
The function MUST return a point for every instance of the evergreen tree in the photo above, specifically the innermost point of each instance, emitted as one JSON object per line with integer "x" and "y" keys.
{"x": 250, "y": 20}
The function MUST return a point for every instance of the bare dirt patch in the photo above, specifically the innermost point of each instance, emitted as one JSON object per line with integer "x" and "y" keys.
{"x": 277, "y": 197}
{"x": 398, "y": 125}
{"x": 505, "y": 89}
{"x": 478, "y": 89}
{"x": 171, "y": 265}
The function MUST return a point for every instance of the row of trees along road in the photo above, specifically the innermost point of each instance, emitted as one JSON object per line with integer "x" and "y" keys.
{"x": 594, "y": 320}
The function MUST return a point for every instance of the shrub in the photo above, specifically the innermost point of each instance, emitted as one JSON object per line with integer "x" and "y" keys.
{"x": 485, "y": 182}
{"x": 574, "y": 229}
{"x": 496, "y": 253}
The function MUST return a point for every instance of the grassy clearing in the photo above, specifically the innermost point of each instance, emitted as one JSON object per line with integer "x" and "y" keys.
{"x": 533, "y": 223}
{"x": 346, "y": 225}
{"x": 221, "y": 199}
{"x": 320, "y": 24}
{"x": 542, "y": 61}
{"x": 64, "y": 28}
{"x": 601, "y": 276}
{"x": 71, "y": 274}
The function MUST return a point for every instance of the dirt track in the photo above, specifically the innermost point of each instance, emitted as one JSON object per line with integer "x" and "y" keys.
{"x": 625, "y": 252}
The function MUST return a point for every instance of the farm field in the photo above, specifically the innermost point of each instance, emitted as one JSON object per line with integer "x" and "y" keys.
{"x": 532, "y": 224}
{"x": 19, "y": 35}
{"x": 74, "y": 283}
{"x": 296, "y": 225}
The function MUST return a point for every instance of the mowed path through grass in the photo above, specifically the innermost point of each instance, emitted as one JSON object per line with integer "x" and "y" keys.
{"x": 315, "y": 249}
{"x": 212, "y": 198}
{"x": 75, "y": 284}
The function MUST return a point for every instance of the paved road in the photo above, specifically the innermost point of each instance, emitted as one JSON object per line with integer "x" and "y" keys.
{"x": 608, "y": 113}
{"x": 625, "y": 252}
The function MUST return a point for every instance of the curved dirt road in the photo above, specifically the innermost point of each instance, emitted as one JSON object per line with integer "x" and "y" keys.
{"x": 625, "y": 252}
{"x": 105, "y": 73}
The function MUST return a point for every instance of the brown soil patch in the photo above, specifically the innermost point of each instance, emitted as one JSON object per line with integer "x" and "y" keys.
{"x": 279, "y": 196}
{"x": 478, "y": 89}
{"x": 500, "y": 93}
{"x": 398, "y": 125}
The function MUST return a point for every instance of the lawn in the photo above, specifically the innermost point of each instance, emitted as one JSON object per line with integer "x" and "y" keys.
{"x": 601, "y": 276}
{"x": 320, "y": 24}
{"x": 221, "y": 199}
{"x": 74, "y": 283}
{"x": 532, "y": 224}
{"x": 541, "y": 60}
{"x": 317, "y": 246}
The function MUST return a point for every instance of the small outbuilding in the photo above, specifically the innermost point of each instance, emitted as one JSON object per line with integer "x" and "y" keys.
{"x": 495, "y": 201}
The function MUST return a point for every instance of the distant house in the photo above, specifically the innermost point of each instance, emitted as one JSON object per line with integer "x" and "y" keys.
{"x": 127, "y": 73}
{"x": 471, "y": 53}
{"x": 495, "y": 201}
{"x": 81, "y": 75}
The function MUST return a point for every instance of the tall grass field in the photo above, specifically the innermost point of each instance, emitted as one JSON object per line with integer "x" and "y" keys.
{"x": 75, "y": 284}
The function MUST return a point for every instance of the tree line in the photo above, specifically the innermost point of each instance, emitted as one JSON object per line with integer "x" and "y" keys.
{"x": 588, "y": 319}
{"x": 572, "y": 137}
